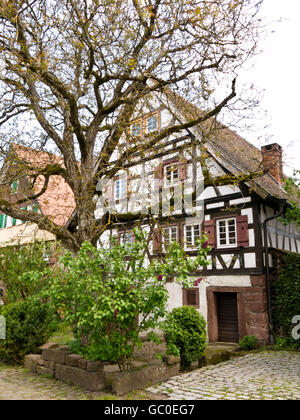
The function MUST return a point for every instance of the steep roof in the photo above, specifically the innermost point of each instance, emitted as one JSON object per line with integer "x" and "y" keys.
{"x": 231, "y": 150}
{"x": 57, "y": 201}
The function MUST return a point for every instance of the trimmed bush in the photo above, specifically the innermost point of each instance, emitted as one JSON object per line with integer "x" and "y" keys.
{"x": 248, "y": 342}
{"x": 185, "y": 334}
{"x": 29, "y": 324}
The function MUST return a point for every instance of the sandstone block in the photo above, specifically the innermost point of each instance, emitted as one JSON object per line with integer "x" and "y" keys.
{"x": 94, "y": 366}
{"x": 82, "y": 363}
{"x": 73, "y": 359}
{"x": 42, "y": 370}
{"x": 93, "y": 381}
{"x": 49, "y": 345}
{"x": 55, "y": 355}
{"x": 31, "y": 362}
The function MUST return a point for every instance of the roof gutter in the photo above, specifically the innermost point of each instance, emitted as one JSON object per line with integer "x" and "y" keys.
{"x": 282, "y": 203}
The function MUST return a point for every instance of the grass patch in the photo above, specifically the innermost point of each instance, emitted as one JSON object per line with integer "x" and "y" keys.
{"x": 3, "y": 367}
{"x": 62, "y": 336}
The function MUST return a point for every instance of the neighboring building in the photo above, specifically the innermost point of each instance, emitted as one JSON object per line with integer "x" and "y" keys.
{"x": 233, "y": 295}
{"x": 57, "y": 201}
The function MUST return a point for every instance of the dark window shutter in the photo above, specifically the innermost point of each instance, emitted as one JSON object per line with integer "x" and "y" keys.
{"x": 242, "y": 230}
{"x": 209, "y": 229}
{"x": 156, "y": 241}
{"x": 159, "y": 172}
{"x": 109, "y": 193}
{"x": 182, "y": 166}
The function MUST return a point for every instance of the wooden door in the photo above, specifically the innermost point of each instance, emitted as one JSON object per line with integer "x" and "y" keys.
{"x": 228, "y": 329}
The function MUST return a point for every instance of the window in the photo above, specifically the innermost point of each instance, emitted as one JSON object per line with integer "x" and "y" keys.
{"x": 191, "y": 234}
{"x": 136, "y": 129}
{"x": 126, "y": 238}
{"x": 120, "y": 188}
{"x": 14, "y": 187}
{"x": 169, "y": 234}
{"x": 3, "y": 220}
{"x": 226, "y": 233}
{"x": 172, "y": 173}
{"x": 190, "y": 297}
{"x": 152, "y": 123}
{"x": 145, "y": 125}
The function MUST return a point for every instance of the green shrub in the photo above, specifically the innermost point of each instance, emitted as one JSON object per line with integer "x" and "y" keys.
{"x": 248, "y": 342}
{"x": 285, "y": 343}
{"x": 21, "y": 270}
{"x": 29, "y": 324}
{"x": 185, "y": 334}
{"x": 101, "y": 293}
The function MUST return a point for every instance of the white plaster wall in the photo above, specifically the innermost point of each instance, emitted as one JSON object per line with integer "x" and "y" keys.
{"x": 175, "y": 290}
{"x": 249, "y": 213}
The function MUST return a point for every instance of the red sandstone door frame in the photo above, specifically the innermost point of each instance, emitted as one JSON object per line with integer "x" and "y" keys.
{"x": 212, "y": 313}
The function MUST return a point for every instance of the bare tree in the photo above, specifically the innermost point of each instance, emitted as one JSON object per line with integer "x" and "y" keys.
{"x": 74, "y": 72}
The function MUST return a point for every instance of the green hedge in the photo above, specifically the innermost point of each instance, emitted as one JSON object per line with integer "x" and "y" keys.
{"x": 29, "y": 324}
{"x": 286, "y": 294}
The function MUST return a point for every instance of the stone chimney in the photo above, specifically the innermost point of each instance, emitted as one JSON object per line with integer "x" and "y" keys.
{"x": 272, "y": 160}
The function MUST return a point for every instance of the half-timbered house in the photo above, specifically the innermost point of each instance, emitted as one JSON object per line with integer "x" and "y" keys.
{"x": 241, "y": 220}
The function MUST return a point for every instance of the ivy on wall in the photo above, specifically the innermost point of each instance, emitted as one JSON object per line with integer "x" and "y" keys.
{"x": 285, "y": 293}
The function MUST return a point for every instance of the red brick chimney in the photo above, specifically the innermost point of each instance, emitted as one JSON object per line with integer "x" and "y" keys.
{"x": 272, "y": 160}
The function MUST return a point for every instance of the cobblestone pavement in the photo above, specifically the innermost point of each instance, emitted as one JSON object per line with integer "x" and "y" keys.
{"x": 18, "y": 384}
{"x": 267, "y": 375}
{"x": 260, "y": 376}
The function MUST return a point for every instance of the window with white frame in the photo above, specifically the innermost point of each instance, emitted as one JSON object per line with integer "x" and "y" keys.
{"x": 226, "y": 233}
{"x": 191, "y": 235}
{"x": 172, "y": 173}
{"x": 120, "y": 188}
{"x": 170, "y": 234}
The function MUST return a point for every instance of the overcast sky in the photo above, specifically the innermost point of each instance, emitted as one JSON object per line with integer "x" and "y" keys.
{"x": 276, "y": 71}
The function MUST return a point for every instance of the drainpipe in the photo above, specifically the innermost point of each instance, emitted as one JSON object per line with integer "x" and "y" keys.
{"x": 268, "y": 283}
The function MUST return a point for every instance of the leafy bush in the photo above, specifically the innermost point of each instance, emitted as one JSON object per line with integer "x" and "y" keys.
{"x": 286, "y": 296}
{"x": 248, "y": 342}
{"x": 29, "y": 324}
{"x": 102, "y": 293}
{"x": 21, "y": 270}
{"x": 285, "y": 343}
{"x": 185, "y": 333}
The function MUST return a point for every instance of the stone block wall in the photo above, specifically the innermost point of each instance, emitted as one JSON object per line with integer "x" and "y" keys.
{"x": 59, "y": 363}
{"x": 252, "y": 310}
